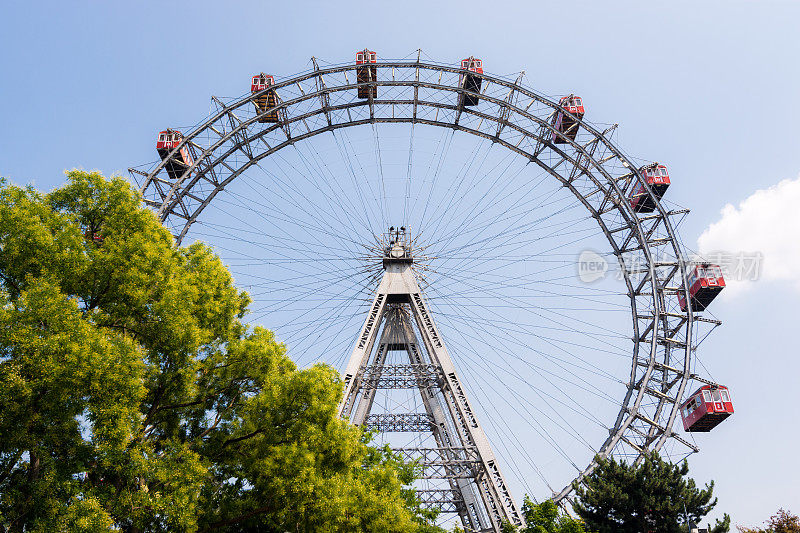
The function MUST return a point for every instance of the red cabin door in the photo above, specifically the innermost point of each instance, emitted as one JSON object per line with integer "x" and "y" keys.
{"x": 718, "y": 405}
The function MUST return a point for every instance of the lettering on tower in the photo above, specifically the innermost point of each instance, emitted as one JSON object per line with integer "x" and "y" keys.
{"x": 373, "y": 316}
{"x": 426, "y": 319}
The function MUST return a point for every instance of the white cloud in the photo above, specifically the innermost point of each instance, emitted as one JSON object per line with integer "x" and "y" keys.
{"x": 766, "y": 222}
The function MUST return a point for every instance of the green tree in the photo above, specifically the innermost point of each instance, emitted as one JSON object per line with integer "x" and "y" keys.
{"x": 132, "y": 397}
{"x": 651, "y": 496}
{"x": 545, "y": 517}
{"x": 780, "y": 522}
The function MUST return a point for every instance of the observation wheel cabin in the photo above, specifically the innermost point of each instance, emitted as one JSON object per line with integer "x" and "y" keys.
{"x": 469, "y": 81}
{"x": 564, "y": 119}
{"x": 706, "y": 408}
{"x": 705, "y": 282}
{"x": 167, "y": 141}
{"x": 366, "y": 73}
{"x": 267, "y": 101}
{"x": 657, "y": 178}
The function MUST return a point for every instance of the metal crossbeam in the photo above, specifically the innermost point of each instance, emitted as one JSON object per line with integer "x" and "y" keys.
{"x": 443, "y": 463}
{"x": 400, "y": 376}
{"x": 448, "y": 501}
{"x": 399, "y": 422}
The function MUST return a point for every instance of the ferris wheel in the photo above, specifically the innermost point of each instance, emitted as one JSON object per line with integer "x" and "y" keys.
{"x": 502, "y": 287}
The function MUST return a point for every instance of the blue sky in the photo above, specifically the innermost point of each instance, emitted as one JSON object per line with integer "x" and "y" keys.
{"x": 711, "y": 88}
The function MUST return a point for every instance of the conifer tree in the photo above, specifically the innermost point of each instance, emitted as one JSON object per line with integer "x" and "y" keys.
{"x": 653, "y": 496}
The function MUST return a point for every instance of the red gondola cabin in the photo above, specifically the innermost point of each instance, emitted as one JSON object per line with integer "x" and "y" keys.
{"x": 705, "y": 283}
{"x": 657, "y": 178}
{"x": 706, "y": 408}
{"x": 266, "y": 100}
{"x": 366, "y": 72}
{"x": 470, "y": 82}
{"x": 566, "y": 124}
{"x": 167, "y": 141}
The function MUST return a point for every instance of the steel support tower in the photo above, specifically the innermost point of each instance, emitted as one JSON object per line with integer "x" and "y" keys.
{"x": 462, "y": 458}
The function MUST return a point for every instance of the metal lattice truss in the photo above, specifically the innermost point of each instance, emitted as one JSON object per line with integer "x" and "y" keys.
{"x": 401, "y": 376}
{"x": 443, "y": 463}
{"x": 448, "y": 501}
{"x": 463, "y": 455}
{"x": 399, "y": 422}
{"x": 511, "y": 115}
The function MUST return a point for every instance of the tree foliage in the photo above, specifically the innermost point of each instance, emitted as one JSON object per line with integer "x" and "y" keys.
{"x": 781, "y": 522}
{"x": 546, "y": 517}
{"x": 652, "y": 496}
{"x": 133, "y": 398}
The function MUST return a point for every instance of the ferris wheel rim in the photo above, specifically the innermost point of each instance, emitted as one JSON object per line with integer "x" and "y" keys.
{"x": 583, "y": 161}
